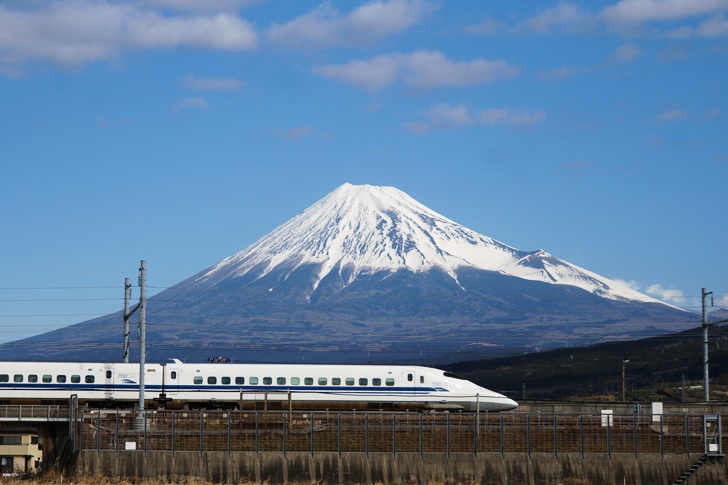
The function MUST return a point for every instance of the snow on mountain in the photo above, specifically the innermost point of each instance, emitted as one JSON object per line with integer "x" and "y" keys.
{"x": 362, "y": 229}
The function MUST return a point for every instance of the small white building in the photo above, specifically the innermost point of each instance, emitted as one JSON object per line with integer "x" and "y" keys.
{"x": 20, "y": 451}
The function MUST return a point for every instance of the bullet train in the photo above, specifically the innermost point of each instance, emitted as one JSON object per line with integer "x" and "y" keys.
{"x": 178, "y": 385}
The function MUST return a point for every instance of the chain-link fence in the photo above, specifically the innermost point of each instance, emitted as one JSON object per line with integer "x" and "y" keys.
{"x": 387, "y": 432}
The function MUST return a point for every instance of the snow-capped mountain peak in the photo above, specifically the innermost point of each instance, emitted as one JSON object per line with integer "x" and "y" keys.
{"x": 365, "y": 228}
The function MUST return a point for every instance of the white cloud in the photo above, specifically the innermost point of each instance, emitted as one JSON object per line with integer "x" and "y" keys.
{"x": 716, "y": 26}
{"x": 666, "y": 294}
{"x": 326, "y": 27}
{"x": 672, "y": 115}
{"x": 641, "y": 11}
{"x": 629, "y": 284}
{"x": 566, "y": 17}
{"x": 197, "y": 102}
{"x": 211, "y": 83}
{"x": 487, "y": 27}
{"x": 422, "y": 69}
{"x": 201, "y": 5}
{"x": 296, "y": 133}
{"x": 721, "y": 301}
{"x": 76, "y": 32}
{"x": 627, "y": 53}
{"x": 448, "y": 116}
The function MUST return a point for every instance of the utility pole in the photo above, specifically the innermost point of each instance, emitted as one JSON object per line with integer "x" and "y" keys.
{"x": 142, "y": 330}
{"x": 127, "y": 317}
{"x": 706, "y": 377}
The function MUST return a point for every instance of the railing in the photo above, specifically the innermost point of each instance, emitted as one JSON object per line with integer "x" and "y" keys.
{"x": 33, "y": 413}
{"x": 386, "y": 432}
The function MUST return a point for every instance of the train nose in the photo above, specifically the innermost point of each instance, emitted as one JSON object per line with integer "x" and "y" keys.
{"x": 507, "y": 404}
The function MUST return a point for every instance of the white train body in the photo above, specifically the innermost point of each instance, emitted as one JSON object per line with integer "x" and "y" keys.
{"x": 247, "y": 386}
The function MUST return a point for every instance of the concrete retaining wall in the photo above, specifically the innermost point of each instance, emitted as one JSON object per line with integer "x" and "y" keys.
{"x": 350, "y": 468}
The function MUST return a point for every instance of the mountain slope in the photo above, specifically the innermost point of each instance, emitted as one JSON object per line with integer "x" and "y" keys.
{"x": 370, "y": 274}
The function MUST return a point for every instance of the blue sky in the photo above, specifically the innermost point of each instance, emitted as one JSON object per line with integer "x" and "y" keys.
{"x": 180, "y": 131}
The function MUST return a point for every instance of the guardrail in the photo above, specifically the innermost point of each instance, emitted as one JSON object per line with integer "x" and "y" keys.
{"x": 388, "y": 432}
{"x": 33, "y": 413}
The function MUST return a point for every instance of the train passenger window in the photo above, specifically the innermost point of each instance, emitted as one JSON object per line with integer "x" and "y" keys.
{"x": 18, "y": 378}
{"x": 254, "y": 380}
{"x": 108, "y": 374}
{"x": 75, "y": 379}
{"x": 46, "y": 378}
{"x": 295, "y": 381}
{"x": 363, "y": 381}
{"x": 422, "y": 379}
{"x": 90, "y": 379}
{"x": 197, "y": 380}
{"x": 322, "y": 381}
{"x": 349, "y": 381}
{"x": 308, "y": 381}
{"x": 281, "y": 381}
{"x": 32, "y": 378}
{"x": 240, "y": 380}
{"x": 409, "y": 377}
{"x": 225, "y": 380}
{"x": 4, "y": 378}
{"x": 173, "y": 374}
{"x": 389, "y": 381}
{"x": 267, "y": 380}
{"x": 336, "y": 381}
{"x": 212, "y": 380}
{"x": 61, "y": 379}
{"x": 376, "y": 381}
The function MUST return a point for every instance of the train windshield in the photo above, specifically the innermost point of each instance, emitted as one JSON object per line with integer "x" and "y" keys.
{"x": 453, "y": 376}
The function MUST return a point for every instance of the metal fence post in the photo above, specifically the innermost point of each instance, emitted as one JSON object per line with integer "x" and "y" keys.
{"x": 172, "y": 433}
{"x": 556, "y": 443}
{"x": 528, "y": 434}
{"x": 501, "y": 435}
{"x": 420, "y": 435}
{"x": 338, "y": 433}
{"x": 311, "y": 432}
{"x": 609, "y": 443}
{"x": 228, "y": 432}
{"x": 116, "y": 435}
{"x": 662, "y": 454}
{"x": 634, "y": 434}
{"x": 447, "y": 439}
{"x": 366, "y": 435}
{"x": 394, "y": 434}
{"x": 201, "y": 432}
{"x": 687, "y": 436}
{"x": 98, "y": 432}
{"x": 256, "y": 434}
{"x": 284, "y": 435}
{"x": 581, "y": 435}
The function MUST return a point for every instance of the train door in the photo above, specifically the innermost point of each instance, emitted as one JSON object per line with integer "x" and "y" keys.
{"x": 108, "y": 382}
{"x": 411, "y": 379}
{"x": 171, "y": 380}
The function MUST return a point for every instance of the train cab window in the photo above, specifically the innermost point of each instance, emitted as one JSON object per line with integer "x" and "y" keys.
{"x": 295, "y": 381}
{"x": 254, "y": 380}
{"x": 363, "y": 381}
{"x": 389, "y": 382}
{"x": 32, "y": 378}
{"x": 240, "y": 380}
{"x": 225, "y": 380}
{"x": 46, "y": 378}
{"x": 197, "y": 380}
{"x": 89, "y": 379}
{"x": 75, "y": 379}
{"x": 322, "y": 381}
{"x": 410, "y": 377}
{"x": 267, "y": 381}
{"x": 18, "y": 378}
{"x": 376, "y": 381}
{"x": 212, "y": 380}
{"x": 349, "y": 381}
{"x": 308, "y": 381}
{"x": 281, "y": 381}
{"x": 108, "y": 374}
{"x": 336, "y": 381}
{"x": 61, "y": 379}
{"x": 4, "y": 378}
{"x": 173, "y": 374}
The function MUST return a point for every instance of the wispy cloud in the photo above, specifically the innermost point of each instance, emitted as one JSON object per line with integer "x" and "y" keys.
{"x": 422, "y": 69}
{"x": 445, "y": 116}
{"x": 196, "y": 103}
{"x": 641, "y": 11}
{"x": 327, "y": 27}
{"x": 296, "y": 133}
{"x": 211, "y": 83}
{"x": 627, "y": 53}
{"x": 565, "y": 17}
{"x": 666, "y": 294}
{"x": 72, "y": 33}
{"x": 672, "y": 115}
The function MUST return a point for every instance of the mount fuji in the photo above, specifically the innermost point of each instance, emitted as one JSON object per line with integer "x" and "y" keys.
{"x": 369, "y": 274}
